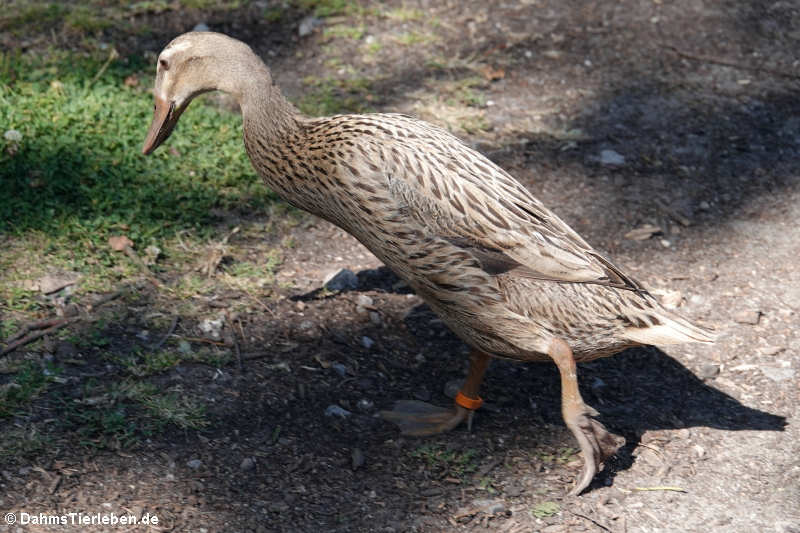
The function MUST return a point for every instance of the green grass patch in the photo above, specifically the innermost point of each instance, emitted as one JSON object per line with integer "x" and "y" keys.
{"x": 28, "y": 383}
{"x": 545, "y": 510}
{"x": 77, "y": 176}
{"x": 330, "y": 96}
{"x": 446, "y": 460}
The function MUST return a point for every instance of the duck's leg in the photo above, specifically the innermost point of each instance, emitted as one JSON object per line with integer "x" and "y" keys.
{"x": 420, "y": 419}
{"x": 596, "y": 443}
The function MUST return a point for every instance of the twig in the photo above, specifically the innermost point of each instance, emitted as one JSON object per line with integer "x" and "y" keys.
{"x": 111, "y": 57}
{"x": 104, "y": 299}
{"x": 727, "y": 63}
{"x": 33, "y": 336}
{"x": 207, "y": 341}
{"x": 170, "y": 331}
{"x": 33, "y": 325}
{"x": 592, "y": 520}
{"x": 673, "y": 489}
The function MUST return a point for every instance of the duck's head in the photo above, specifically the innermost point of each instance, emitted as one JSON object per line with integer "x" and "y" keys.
{"x": 194, "y": 63}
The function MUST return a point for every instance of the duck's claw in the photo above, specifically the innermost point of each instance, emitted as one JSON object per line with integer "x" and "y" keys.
{"x": 596, "y": 442}
{"x": 420, "y": 419}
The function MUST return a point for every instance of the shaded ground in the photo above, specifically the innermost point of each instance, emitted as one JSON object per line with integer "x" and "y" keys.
{"x": 699, "y": 99}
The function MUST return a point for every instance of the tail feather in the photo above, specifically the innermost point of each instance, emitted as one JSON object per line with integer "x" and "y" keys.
{"x": 671, "y": 330}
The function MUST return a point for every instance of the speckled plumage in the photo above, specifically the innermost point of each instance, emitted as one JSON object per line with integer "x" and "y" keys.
{"x": 500, "y": 269}
{"x": 504, "y": 272}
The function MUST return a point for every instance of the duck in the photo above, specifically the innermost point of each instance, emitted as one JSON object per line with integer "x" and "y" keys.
{"x": 500, "y": 269}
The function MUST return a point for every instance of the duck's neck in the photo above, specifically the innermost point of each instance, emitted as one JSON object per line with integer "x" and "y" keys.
{"x": 267, "y": 115}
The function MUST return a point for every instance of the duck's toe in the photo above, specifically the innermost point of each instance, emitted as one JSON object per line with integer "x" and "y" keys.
{"x": 596, "y": 442}
{"x": 420, "y": 419}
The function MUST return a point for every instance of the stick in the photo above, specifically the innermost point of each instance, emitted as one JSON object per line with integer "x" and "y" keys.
{"x": 39, "y": 334}
{"x": 31, "y": 326}
{"x": 674, "y": 489}
{"x": 104, "y": 300}
{"x": 592, "y": 520}
{"x": 111, "y": 57}
{"x": 727, "y": 63}
{"x": 170, "y": 331}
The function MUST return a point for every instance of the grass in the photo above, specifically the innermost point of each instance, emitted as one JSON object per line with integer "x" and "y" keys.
{"x": 450, "y": 461}
{"x": 331, "y": 96}
{"x": 30, "y": 381}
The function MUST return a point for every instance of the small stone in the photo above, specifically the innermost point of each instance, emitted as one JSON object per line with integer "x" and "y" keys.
{"x": 375, "y": 318}
{"x": 708, "y": 371}
{"x": 212, "y": 327}
{"x": 13, "y": 136}
{"x": 695, "y": 299}
{"x": 356, "y": 458}
{"x": 184, "y": 347}
{"x": 307, "y": 25}
{"x": 152, "y": 254}
{"x": 699, "y": 450}
{"x": 247, "y": 464}
{"x": 340, "y": 369}
{"x": 201, "y": 27}
{"x": 335, "y": 410}
{"x": 704, "y": 206}
{"x": 301, "y": 306}
{"x": 771, "y": 350}
{"x": 489, "y": 506}
{"x": 665, "y": 243}
{"x": 340, "y": 280}
{"x": 364, "y": 301}
{"x": 643, "y": 233}
{"x": 366, "y": 342}
{"x": 194, "y": 464}
{"x": 747, "y": 317}
{"x": 306, "y": 325}
{"x": 777, "y": 373}
{"x": 365, "y": 406}
{"x": 611, "y": 158}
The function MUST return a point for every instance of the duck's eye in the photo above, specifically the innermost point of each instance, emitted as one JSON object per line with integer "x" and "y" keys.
{"x": 163, "y": 64}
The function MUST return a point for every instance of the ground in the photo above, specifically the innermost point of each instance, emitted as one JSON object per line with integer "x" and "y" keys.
{"x": 198, "y": 387}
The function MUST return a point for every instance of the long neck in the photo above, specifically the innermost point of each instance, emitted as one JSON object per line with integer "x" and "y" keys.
{"x": 267, "y": 115}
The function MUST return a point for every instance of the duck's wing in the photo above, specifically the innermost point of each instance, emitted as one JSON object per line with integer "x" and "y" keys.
{"x": 459, "y": 195}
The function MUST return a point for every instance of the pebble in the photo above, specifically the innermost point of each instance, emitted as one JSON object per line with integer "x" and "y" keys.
{"x": 747, "y": 317}
{"x": 708, "y": 371}
{"x": 194, "y": 464}
{"x": 364, "y": 301}
{"x": 342, "y": 279}
{"x": 212, "y": 327}
{"x": 307, "y": 25}
{"x": 777, "y": 374}
{"x": 247, "y": 464}
{"x": 201, "y": 27}
{"x": 642, "y": 233}
{"x": 704, "y": 206}
{"x": 375, "y": 318}
{"x": 366, "y": 342}
{"x": 490, "y": 506}
{"x": 335, "y": 410}
{"x": 365, "y": 406}
{"x": 340, "y": 369}
{"x": 306, "y": 325}
{"x": 771, "y": 350}
{"x": 13, "y": 135}
{"x": 356, "y": 458}
{"x": 611, "y": 157}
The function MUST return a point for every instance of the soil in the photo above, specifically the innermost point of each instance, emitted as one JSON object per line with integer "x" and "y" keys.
{"x": 699, "y": 99}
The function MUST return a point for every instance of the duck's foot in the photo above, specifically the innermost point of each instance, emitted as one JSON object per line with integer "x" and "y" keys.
{"x": 595, "y": 441}
{"x": 421, "y": 419}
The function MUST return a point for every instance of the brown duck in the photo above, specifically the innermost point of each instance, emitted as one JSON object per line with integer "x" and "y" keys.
{"x": 501, "y": 270}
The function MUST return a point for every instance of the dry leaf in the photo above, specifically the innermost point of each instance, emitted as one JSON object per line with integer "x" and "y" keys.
{"x": 491, "y": 73}
{"x": 118, "y": 243}
{"x": 643, "y": 233}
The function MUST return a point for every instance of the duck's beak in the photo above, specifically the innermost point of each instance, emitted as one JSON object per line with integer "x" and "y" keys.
{"x": 164, "y": 119}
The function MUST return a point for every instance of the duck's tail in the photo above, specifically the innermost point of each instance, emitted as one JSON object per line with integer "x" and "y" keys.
{"x": 670, "y": 329}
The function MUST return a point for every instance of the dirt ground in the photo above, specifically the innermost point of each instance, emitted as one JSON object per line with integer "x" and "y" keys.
{"x": 616, "y": 114}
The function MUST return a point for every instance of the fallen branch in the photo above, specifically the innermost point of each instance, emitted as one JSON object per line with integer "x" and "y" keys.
{"x": 592, "y": 520}
{"x": 39, "y": 334}
{"x": 40, "y": 324}
{"x": 728, "y": 63}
